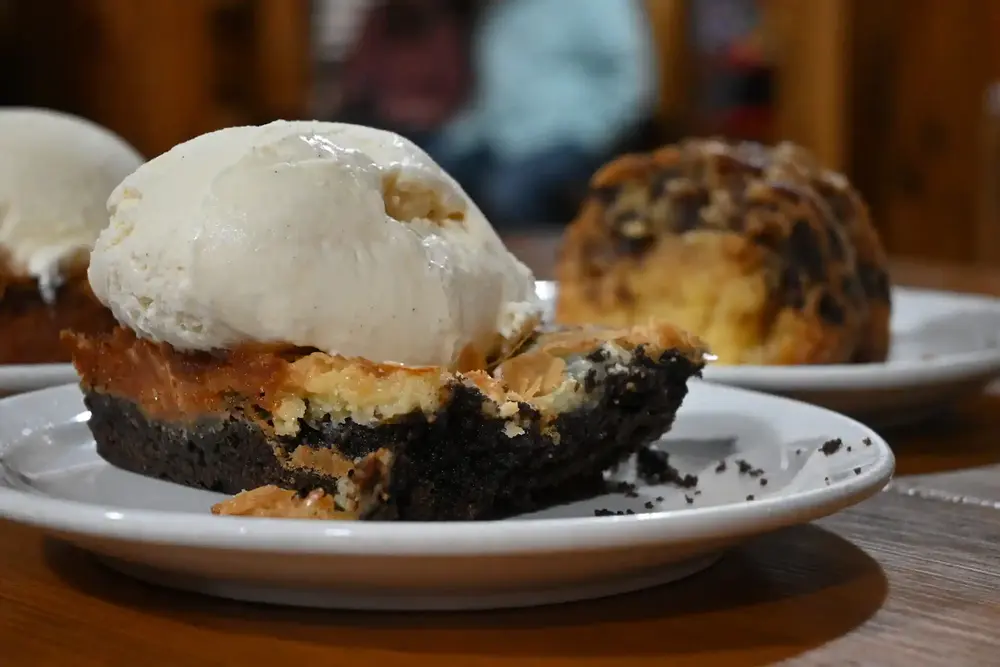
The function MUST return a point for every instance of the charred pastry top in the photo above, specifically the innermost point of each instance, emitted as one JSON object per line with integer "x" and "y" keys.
{"x": 812, "y": 225}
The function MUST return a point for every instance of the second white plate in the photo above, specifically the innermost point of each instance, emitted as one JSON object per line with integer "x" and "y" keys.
{"x": 17, "y": 378}
{"x": 945, "y": 346}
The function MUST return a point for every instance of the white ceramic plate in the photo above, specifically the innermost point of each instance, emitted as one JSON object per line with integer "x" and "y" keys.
{"x": 50, "y": 476}
{"x": 944, "y": 346}
{"x": 17, "y": 378}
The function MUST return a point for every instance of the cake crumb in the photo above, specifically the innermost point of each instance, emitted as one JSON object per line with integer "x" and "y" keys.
{"x": 628, "y": 489}
{"x": 867, "y": 441}
{"x": 831, "y": 446}
{"x": 688, "y": 499}
{"x": 721, "y": 467}
{"x": 273, "y": 501}
{"x": 653, "y": 467}
{"x": 746, "y": 468}
{"x": 750, "y": 497}
{"x": 857, "y": 471}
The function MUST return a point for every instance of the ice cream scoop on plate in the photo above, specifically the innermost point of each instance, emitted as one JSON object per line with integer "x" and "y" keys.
{"x": 316, "y": 317}
{"x": 55, "y": 176}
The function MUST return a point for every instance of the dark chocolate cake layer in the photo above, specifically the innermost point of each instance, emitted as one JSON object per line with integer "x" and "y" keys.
{"x": 457, "y": 464}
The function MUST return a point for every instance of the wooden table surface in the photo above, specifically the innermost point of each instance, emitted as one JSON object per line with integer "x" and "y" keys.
{"x": 909, "y": 577}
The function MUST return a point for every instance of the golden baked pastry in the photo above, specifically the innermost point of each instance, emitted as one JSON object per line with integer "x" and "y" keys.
{"x": 763, "y": 254}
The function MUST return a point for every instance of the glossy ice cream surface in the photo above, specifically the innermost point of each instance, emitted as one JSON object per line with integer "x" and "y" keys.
{"x": 327, "y": 235}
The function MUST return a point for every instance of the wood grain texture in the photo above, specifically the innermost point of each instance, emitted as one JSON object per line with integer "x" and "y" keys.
{"x": 670, "y": 24}
{"x": 896, "y": 581}
{"x": 811, "y": 61}
{"x": 282, "y": 68}
{"x": 955, "y": 458}
{"x": 159, "y": 72}
{"x": 891, "y": 93}
{"x": 918, "y": 72}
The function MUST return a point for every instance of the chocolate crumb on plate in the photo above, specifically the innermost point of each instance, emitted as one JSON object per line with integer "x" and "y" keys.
{"x": 750, "y": 497}
{"x": 721, "y": 467}
{"x": 627, "y": 489}
{"x": 831, "y": 446}
{"x": 763, "y": 481}
{"x": 648, "y": 504}
{"x": 857, "y": 471}
{"x": 848, "y": 448}
{"x": 689, "y": 499}
{"x": 867, "y": 441}
{"x": 659, "y": 499}
{"x": 603, "y": 512}
{"x": 798, "y": 451}
{"x": 746, "y": 468}
{"x": 653, "y": 467}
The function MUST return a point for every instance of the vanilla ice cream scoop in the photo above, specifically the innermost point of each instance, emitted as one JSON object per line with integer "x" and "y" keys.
{"x": 56, "y": 172}
{"x": 327, "y": 235}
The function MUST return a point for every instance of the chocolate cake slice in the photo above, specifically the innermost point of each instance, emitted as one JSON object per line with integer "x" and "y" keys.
{"x": 299, "y": 433}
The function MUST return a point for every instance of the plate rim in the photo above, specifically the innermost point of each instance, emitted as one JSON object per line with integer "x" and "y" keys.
{"x": 940, "y": 369}
{"x": 31, "y": 377}
{"x": 449, "y": 539}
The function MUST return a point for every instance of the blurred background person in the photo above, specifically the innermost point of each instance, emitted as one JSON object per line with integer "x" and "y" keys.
{"x": 520, "y": 100}
{"x": 557, "y": 85}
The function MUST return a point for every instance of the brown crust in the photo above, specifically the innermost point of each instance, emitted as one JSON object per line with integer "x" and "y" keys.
{"x": 172, "y": 385}
{"x": 262, "y": 381}
{"x": 768, "y": 257}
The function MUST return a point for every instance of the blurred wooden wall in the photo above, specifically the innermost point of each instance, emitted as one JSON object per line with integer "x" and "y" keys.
{"x": 889, "y": 91}
{"x": 162, "y": 71}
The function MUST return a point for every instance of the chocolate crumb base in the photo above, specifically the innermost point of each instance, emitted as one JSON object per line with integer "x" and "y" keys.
{"x": 456, "y": 465}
